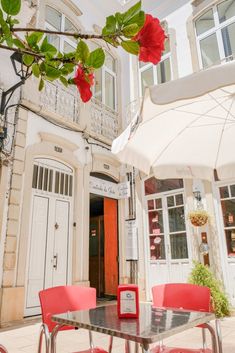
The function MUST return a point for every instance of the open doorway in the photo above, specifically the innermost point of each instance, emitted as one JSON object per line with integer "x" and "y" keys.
{"x": 103, "y": 246}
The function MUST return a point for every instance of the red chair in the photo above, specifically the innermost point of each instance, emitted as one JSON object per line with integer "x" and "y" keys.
{"x": 184, "y": 296}
{"x": 59, "y": 300}
{"x": 3, "y": 349}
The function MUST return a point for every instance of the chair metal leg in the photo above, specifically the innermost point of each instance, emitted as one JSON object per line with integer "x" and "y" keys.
{"x": 213, "y": 337}
{"x": 91, "y": 340}
{"x": 110, "y": 344}
{"x": 219, "y": 335}
{"x": 127, "y": 346}
{"x": 136, "y": 347}
{"x": 53, "y": 337}
{"x": 204, "y": 344}
{"x": 44, "y": 332}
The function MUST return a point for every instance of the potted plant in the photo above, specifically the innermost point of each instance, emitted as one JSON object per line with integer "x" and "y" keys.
{"x": 202, "y": 276}
{"x": 198, "y": 217}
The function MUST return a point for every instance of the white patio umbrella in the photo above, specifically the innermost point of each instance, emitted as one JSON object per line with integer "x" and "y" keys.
{"x": 186, "y": 127}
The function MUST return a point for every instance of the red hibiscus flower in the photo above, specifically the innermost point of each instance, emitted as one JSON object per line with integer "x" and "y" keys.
{"x": 151, "y": 39}
{"x": 84, "y": 81}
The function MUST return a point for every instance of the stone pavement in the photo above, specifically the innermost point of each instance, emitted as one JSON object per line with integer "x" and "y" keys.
{"x": 24, "y": 339}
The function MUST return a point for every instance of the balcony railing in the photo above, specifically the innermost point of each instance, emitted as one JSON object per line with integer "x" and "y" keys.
{"x": 64, "y": 104}
{"x": 62, "y": 101}
{"x": 104, "y": 121}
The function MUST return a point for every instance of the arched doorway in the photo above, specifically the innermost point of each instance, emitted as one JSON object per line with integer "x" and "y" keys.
{"x": 103, "y": 238}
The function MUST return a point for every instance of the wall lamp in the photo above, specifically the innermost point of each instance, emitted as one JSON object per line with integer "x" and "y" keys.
{"x": 24, "y": 73}
{"x": 197, "y": 195}
{"x": 20, "y": 70}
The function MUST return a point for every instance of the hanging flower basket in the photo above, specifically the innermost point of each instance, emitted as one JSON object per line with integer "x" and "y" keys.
{"x": 198, "y": 218}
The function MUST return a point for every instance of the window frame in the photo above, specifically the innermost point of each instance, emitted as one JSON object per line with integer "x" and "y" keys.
{"x": 154, "y": 67}
{"x": 217, "y": 30}
{"x": 62, "y": 38}
{"x": 104, "y": 70}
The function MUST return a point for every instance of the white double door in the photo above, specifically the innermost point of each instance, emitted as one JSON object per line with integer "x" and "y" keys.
{"x": 49, "y": 247}
{"x": 169, "y": 245}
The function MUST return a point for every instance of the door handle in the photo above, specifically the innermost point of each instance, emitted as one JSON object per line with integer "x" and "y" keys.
{"x": 56, "y": 225}
{"x": 55, "y": 261}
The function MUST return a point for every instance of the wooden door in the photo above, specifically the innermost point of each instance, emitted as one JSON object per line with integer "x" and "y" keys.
{"x": 96, "y": 254}
{"x": 52, "y": 192}
{"x": 37, "y": 250}
{"x": 57, "y": 259}
{"x": 110, "y": 247}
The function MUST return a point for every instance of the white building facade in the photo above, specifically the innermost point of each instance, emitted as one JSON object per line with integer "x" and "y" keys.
{"x": 63, "y": 218}
{"x": 200, "y": 34}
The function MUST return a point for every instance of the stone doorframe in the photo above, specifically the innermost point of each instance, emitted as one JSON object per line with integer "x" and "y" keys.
{"x": 14, "y": 310}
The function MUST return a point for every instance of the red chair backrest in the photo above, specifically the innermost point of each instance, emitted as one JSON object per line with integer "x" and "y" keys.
{"x": 3, "y": 349}
{"x": 182, "y": 295}
{"x": 58, "y": 300}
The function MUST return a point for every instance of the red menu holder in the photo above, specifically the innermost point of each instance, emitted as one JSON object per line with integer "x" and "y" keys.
{"x": 128, "y": 301}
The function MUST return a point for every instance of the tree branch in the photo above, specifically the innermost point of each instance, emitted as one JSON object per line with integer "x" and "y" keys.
{"x": 22, "y": 51}
{"x": 59, "y": 33}
{"x": 39, "y": 56}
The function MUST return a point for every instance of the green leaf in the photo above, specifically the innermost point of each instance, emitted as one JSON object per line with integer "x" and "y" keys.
{"x": 4, "y": 26}
{"x": 64, "y": 81}
{"x": 67, "y": 69}
{"x": 34, "y": 38}
{"x": 9, "y": 41}
{"x": 82, "y": 52}
{"x": 110, "y": 25}
{"x": 96, "y": 58}
{"x": 28, "y": 59}
{"x": 139, "y": 19}
{"x": 134, "y": 10}
{"x": 36, "y": 70}
{"x": 130, "y": 30}
{"x": 14, "y": 21}
{"x": 52, "y": 73}
{"x": 71, "y": 81}
{"x": 131, "y": 47}
{"x": 41, "y": 85}
{"x": 119, "y": 18}
{"x": 18, "y": 43}
{"x": 48, "y": 48}
{"x": 11, "y": 7}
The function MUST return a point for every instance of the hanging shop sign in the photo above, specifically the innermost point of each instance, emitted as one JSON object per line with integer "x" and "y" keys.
{"x": 131, "y": 240}
{"x": 109, "y": 189}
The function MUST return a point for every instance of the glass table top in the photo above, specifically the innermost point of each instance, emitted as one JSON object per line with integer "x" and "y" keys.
{"x": 152, "y": 325}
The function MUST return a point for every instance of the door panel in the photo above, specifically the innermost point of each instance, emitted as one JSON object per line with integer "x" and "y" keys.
{"x": 110, "y": 246}
{"x": 52, "y": 192}
{"x": 96, "y": 254}
{"x": 227, "y": 224}
{"x": 37, "y": 249}
{"x": 61, "y": 236}
{"x": 167, "y": 239}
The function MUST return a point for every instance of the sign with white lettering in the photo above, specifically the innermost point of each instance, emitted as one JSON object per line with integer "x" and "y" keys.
{"x": 124, "y": 190}
{"x": 131, "y": 240}
{"x": 109, "y": 189}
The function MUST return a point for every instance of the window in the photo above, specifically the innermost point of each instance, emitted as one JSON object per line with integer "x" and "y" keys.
{"x": 153, "y": 74}
{"x": 105, "y": 82}
{"x": 215, "y": 31}
{"x": 153, "y": 185}
{"x": 104, "y": 89}
{"x": 56, "y": 21}
{"x": 227, "y": 200}
{"x": 166, "y": 219}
